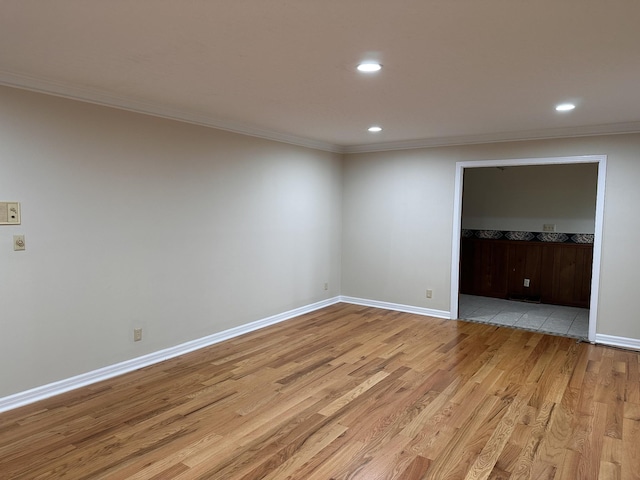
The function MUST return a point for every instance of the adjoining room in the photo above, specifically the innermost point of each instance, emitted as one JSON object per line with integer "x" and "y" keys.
{"x": 527, "y": 246}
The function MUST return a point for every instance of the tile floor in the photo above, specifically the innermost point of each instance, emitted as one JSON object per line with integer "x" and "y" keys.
{"x": 554, "y": 319}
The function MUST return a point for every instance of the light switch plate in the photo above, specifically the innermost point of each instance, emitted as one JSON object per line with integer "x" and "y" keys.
{"x": 18, "y": 242}
{"x": 9, "y": 213}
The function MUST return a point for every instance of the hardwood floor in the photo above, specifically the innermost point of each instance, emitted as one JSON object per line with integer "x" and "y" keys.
{"x": 347, "y": 392}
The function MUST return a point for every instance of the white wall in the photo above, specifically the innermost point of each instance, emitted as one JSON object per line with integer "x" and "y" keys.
{"x": 134, "y": 221}
{"x": 398, "y": 210}
{"x": 524, "y": 198}
{"x": 397, "y": 227}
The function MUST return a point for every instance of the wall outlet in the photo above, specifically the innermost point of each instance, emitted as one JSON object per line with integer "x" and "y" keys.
{"x": 429, "y": 293}
{"x": 549, "y": 227}
{"x": 137, "y": 334}
{"x": 527, "y": 282}
{"x": 326, "y": 286}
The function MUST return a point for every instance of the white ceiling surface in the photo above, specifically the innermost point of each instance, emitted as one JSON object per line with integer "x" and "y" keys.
{"x": 455, "y": 71}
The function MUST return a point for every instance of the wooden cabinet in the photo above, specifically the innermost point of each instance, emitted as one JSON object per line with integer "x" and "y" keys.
{"x": 567, "y": 274}
{"x": 558, "y": 273}
{"x": 525, "y": 261}
{"x": 490, "y": 265}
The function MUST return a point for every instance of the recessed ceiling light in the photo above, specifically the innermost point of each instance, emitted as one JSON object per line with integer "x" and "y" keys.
{"x": 375, "y": 129}
{"x": 369, "y": 67}
{"x": 565, "y": 107}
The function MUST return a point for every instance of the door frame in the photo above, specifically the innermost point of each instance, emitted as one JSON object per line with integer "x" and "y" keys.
{"x": 600, "y": 160}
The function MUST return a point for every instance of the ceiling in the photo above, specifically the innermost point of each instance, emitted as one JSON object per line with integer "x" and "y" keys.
{"x": 454, "y": 71}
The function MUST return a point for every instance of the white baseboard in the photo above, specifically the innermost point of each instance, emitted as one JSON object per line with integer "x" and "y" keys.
{"x": 45, "y": 391}
{"x": 622, "y": 342}
{"x": 397, "y": 307}
{"x": 40, "y": 393}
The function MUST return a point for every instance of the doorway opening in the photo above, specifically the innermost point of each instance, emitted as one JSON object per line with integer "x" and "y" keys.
{"x": 459, "y": 302}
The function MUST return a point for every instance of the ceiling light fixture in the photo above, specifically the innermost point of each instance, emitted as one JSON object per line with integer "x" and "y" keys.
{"x": 369, "y": 67}
{"x": 565, "y": 107}
{"x": 375, "y": 129}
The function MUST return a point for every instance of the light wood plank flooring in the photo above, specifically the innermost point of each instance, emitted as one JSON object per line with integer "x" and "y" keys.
{"x": 347, "y": 392}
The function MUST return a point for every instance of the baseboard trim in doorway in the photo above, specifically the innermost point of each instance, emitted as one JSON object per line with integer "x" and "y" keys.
{"x": 622, "y": 342}
{"x": 45, "y": 391}
{"x": 397, "y": 307}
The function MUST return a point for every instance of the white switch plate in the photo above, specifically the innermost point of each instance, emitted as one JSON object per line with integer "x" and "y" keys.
{"x": 527, "y": 282}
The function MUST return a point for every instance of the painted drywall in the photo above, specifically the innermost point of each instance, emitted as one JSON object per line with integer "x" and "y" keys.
{"x": 397, "y": 224}
{"x": 134, "y": 221}
{"x": 524, "y": 198}
{"x": 398, "y": 211}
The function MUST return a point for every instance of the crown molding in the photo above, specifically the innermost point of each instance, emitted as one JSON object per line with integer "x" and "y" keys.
{"x": 98, "y": 97}
{"x": 542, "y": 134}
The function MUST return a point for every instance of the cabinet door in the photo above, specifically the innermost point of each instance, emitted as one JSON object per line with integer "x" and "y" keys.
{"x": 584, "y": 267}
{"x": 491, "y": 268}
{"x": 525, "y": 261}
{"x": 568, "y": 274}
{"x": 467, "y": 252}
